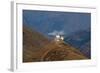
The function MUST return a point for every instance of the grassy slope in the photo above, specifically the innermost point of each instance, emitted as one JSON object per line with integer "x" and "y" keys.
{"x": 37, "y": 47}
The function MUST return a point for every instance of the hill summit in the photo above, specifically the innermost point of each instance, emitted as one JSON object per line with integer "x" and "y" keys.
{"x": 37, "y": 47}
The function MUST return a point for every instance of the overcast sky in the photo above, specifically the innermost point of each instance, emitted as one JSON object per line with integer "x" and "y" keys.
{"x": 49, "y": 21}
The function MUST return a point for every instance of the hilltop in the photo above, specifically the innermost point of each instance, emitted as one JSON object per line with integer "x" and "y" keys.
{"x": 37, "y": 47}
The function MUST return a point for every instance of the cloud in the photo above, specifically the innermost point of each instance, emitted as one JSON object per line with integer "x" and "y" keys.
{"x": 56, "y": 33}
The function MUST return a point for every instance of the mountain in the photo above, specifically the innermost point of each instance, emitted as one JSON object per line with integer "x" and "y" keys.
{"x": 81, "y": 41}
{"x": 32, "y": 44}
{"x": 37, "y": 47}
{"x": 61, "y": 51}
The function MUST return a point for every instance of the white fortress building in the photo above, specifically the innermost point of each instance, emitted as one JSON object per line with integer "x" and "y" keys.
{"x": 58, "y": 35}
{"x": 59, "y": 38}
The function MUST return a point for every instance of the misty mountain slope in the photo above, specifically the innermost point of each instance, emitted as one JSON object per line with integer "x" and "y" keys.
{"x": 62, "y": 51}
{"x": 32, "y": 44}
{"x": 37, "y": 47}
{"x": 81, "y": 41}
